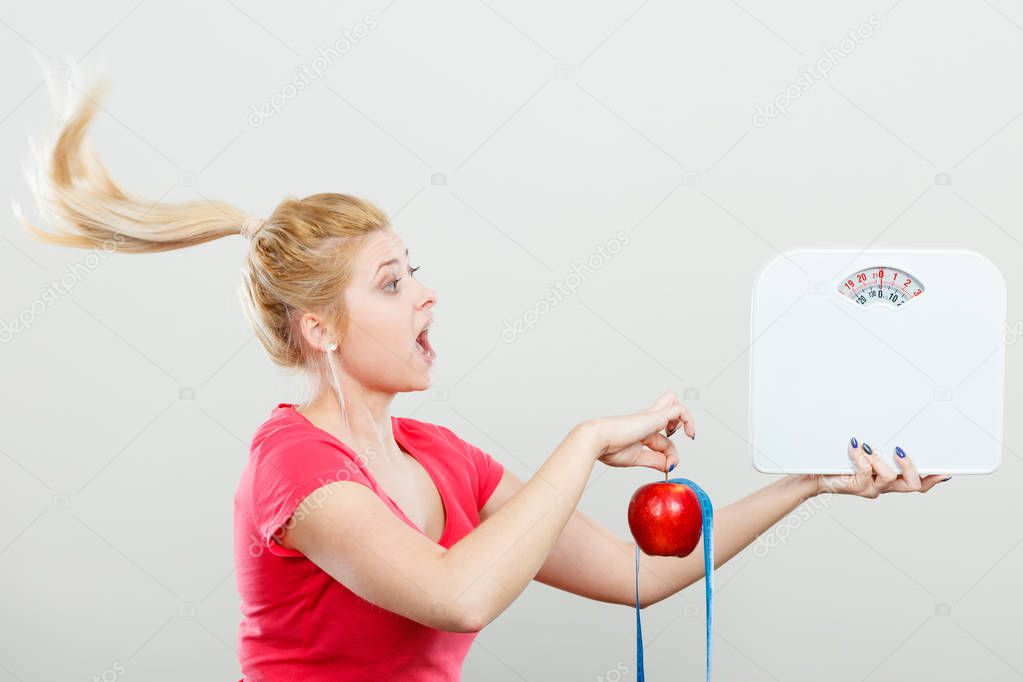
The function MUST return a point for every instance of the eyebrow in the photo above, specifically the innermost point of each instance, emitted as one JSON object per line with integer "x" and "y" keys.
{"x": 388, "y": 262}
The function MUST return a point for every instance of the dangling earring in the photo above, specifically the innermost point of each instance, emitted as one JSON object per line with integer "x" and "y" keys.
{"x": 337, "y": 382}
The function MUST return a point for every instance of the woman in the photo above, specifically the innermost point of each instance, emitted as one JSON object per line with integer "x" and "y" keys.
{"x": 370, "y": 546}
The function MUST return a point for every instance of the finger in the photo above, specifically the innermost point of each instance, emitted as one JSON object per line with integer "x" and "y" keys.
{"x": 653, "y": 459}
{"x": 667, "y": 398}
{"x": 901, "y": 485}
{"x": 634, "y": 428}
{"x": 624, "y": 457}
{"x": 683, "y": 418}
{"x": 666, "y": 401}
{"x": 885, "y": 474}
{"x": 638, "y": 455}
{"x": 909, "y": 471}
{"x": 845, "y": 483}
{"x": 661, "y": 444}
{"x": 859, "y": 459}
{"x": 863, "y": 481}
{"x": 627, "y": 430}
{"x": 928, "y": 482}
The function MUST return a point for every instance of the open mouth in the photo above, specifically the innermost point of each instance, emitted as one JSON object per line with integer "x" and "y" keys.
{"x": 423, "y": 345}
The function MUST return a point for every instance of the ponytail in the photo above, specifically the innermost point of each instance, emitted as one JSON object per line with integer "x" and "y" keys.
{"x": 74, "y": 192}
{"x": 300, "y": 257}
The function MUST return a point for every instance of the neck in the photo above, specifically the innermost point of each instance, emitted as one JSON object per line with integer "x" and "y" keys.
{"x": 368, "y": 428}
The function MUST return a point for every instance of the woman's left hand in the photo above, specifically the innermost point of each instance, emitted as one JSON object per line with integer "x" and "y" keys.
{"x": 875, "y": 476}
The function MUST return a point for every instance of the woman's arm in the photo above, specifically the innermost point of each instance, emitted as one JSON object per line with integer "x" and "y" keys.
{"x": 591, "y": 561}
{"x": 353, "y": 537}
{"x": 358, "y": 541}
{"x": 735, "y": 527}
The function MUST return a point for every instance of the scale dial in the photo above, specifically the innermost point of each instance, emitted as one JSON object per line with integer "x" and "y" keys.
{"x": 880, "y": 285}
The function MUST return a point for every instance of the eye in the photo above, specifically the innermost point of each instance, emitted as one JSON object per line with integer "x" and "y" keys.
{"x": 393, "y": 284}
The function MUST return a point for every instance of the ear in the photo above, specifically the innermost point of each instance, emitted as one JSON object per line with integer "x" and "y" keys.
{"x": 314, "y": 330}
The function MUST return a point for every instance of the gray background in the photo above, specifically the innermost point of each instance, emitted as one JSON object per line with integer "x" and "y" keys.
{"x": 507, "y": 140}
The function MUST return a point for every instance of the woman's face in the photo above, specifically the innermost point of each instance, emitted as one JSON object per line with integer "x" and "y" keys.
{"x": 384, "y": 347}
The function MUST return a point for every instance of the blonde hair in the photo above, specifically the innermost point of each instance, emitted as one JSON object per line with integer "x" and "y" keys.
{"x": 300, "y": 258}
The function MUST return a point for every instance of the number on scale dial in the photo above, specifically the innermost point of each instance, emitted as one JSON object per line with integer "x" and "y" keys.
{"x": 881, "y": 285}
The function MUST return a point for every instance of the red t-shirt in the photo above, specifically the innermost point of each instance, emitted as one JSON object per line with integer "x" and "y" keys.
{"x": 298, "y": 623}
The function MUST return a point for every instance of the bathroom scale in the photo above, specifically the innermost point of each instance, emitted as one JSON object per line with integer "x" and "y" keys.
{"x": 895, "y": 347}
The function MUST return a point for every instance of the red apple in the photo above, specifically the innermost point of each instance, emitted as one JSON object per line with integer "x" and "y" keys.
{"x": 665, "y": 519}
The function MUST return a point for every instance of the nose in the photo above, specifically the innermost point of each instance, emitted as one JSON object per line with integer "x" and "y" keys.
{"x": 429, "y": 297}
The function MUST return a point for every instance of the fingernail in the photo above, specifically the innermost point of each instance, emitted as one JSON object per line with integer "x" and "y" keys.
{"x": 899, "y": 451}
{"x": 945, "y": 479}
{"x": 854, "y": 443}
{"x": 671, "y": 468}
{"x": 866, "y": 449}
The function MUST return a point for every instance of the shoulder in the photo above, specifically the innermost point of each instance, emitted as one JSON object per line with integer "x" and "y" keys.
{"x": 289, "y": 460}
{"x": 288, "y": 445}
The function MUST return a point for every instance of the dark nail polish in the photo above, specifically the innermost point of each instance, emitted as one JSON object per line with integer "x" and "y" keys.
{"x": 854, "y": 443}
{"x": 866, "y": 449}
{"x": 900, "y": 452}
{"x": 672, "y": 467}
{"x": 945, "y": 479}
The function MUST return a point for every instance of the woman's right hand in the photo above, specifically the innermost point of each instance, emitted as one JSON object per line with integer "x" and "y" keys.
{"x": 636, "y": 439}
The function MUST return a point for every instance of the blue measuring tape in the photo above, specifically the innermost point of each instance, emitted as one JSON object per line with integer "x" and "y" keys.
{"x": 707, "y": 512}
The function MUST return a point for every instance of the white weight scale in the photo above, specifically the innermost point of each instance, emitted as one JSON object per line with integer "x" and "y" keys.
{"x": 890, "y": 346}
